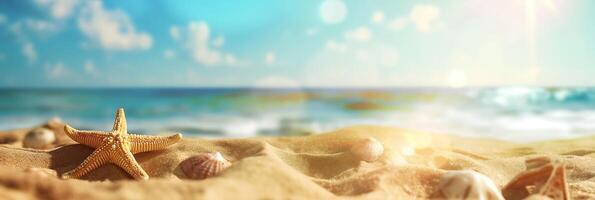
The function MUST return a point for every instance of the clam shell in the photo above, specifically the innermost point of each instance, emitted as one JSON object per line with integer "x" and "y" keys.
{"x": 468, "y": 184}
{"x": 204, "y": 165}
{"x": 368, "y": 149}
{"x": 39, "y": 138}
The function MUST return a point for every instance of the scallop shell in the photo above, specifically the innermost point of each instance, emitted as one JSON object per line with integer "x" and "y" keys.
{"x": 204, "y": 165}
{"x": 39, "y": 138}
{"x": 368, "y": 149}
{"x": 468, "y": 184}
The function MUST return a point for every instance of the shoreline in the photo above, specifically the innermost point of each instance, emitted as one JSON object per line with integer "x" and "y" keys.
{"x": 315, "y": 166}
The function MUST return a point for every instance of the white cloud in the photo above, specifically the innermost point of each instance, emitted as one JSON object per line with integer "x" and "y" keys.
{"x": 335, "y": 46}
{"x": 202, "y": 48}
{"x": 28, "y": 50}
{"x": 218, "y": 42}
{"x": 55, "y": 71}
{"x": 89, "y": 67}
{"x": 333, "y": 11}
{"x": 174, "y": 32}
{"x": 21, "y": 28}
{"x": 276, "y": 82}
{"x": 311, "y": 31}
{"x": 344, "y": 62}
{"x": 377, "y": 17}
{"x": 398, "y": 23}
{"x": 41, "y": 26}
{"x": 230, "y": 59}
{"x": 59, "y": 8}
{"x": 112, "y": 30}
{"x": 360, "y": 34}
{"x": 270, "y": 58}
{"x": 2, "y": 19}
{"x": 168, "y": 53}
{"x": 424, "y": 17}
{"x": 198, "y": 36}
{"x": 381, "y": 55}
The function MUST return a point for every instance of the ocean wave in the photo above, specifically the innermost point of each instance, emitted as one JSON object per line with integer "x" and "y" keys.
{"x": 511, "y": 113}
{"x": 516, "y": 97}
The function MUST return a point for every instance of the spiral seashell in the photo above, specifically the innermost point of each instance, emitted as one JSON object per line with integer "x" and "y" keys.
{"x": 368, "y": 149}
{"x": 468, "y": 184}
{"x": 204, "y": 165}
{"x": 39, "y": 138}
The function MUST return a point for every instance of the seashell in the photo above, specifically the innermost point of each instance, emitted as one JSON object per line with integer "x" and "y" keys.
{"x": 368, "y": 149}
{"x": 468, "y": 184}
{"x": 39, "y": 138}
{"x": 204, "y": 165}
{"x": 548, "y": 180}
{"x": 55, "y": 123}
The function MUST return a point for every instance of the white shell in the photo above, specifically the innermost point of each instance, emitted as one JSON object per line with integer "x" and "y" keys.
{"x": 39, "y": 138}
{"x": 468, "y": 184}
{"x": 368, "y": 149}
{"x": 204, "y": 165}
{"x": 55, "y": 123}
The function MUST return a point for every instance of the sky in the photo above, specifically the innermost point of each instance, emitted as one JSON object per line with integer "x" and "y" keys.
{"x": 310, "y": 43}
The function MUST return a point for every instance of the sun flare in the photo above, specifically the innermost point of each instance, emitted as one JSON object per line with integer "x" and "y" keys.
{"x": 531, "y": 18}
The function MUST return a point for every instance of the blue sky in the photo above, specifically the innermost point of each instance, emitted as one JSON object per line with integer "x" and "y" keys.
{"x": 74, "y": 43}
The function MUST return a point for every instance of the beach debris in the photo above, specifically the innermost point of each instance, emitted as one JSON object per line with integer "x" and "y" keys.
{"x": 548, "y": 180}
{"x": 39, "y": 138}
{"x": 117, "y": 147}
{"x": 204, "y": 165}
{"x": 368, "y": 149}
{"x": 468, "y": 184}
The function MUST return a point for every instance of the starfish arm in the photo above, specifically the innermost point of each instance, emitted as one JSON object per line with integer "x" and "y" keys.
{"x": 89, "y": 138}
{"x": 125, "y": 160}
{"x": 144, "y": 143}
{"x": 120, "y": 122}
{"x": 99, "y": 157}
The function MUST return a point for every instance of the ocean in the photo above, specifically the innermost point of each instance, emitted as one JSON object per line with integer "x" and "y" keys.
{"x": 508, "y": 113}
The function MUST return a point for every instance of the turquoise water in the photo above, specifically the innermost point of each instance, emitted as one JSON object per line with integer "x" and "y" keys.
{"x": 511, "y": 113}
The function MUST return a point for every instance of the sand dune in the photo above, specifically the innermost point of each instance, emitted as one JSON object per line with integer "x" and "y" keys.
{"x": 307, "y": 167}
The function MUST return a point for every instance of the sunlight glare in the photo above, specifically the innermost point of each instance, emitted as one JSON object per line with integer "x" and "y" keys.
{"x": 457, "y": 78}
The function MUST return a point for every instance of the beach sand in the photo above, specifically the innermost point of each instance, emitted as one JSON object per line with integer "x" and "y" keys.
{"x": 301, "y": 167}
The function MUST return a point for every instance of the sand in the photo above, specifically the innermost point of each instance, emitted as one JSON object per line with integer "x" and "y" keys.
{"x": 299, "y": 167}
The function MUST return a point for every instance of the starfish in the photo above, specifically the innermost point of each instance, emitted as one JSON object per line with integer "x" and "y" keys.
{"x": 116, "y": 147}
